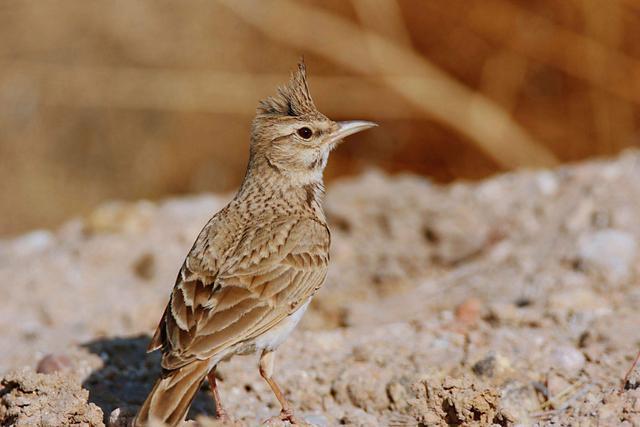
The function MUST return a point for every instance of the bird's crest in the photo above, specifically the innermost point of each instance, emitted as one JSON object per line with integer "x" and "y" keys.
{"x": 293, "y": 99}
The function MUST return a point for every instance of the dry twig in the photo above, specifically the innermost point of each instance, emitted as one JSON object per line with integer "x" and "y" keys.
{"x": 550, "y": 44}
{"x": 566, "y": 403}
{"x": 630, "y": 371}
{"x": 422, "y": 84}
{"x": 167, "y": 89}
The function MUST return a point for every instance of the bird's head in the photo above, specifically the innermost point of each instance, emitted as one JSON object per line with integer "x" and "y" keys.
{"x": 292, "y": 137}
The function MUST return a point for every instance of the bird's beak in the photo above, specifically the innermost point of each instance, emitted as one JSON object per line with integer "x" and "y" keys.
{"x": 349, "y": 128}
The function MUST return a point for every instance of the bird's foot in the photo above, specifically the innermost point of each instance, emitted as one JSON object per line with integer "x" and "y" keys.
{"x": 286, "y": 415}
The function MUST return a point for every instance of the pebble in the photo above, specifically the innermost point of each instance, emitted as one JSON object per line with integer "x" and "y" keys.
{"x": 53, "y": 363}
{"x": 468, "y": 313}
{"x": 609, "y": 251}
{"x": 356, "y": 416}
{"x": 121, "y": 417}
{"x": 120, "y": 217}
{"x": 567, "y": 359}
{"x": 316, "y": 419}
{"x": 547, "y": 183}
{"x": 493, "y": 365}
{"x": 578, "y": 300}
{"x": 144, "y": 266}
{"x": 397, "y": 394}
{"x": 33, "y": 242}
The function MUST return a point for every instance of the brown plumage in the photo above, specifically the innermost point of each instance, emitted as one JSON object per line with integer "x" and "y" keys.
{"x": 256, "y": 264}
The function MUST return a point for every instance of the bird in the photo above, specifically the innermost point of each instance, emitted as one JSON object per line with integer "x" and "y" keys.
{"x": 257, "y": 263}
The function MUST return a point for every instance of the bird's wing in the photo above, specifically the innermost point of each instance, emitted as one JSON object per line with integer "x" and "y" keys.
{"x": 264, "y": 277}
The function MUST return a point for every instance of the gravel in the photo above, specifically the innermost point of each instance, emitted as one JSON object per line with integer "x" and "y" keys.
{"x": 508, "y": 301}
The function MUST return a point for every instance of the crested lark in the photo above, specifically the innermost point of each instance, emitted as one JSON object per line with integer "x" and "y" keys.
{"x": 255, "y": 266}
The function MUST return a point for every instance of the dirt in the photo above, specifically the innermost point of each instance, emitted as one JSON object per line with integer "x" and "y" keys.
{"x": 55, "y": 399}
{"x": 508, "y": 301}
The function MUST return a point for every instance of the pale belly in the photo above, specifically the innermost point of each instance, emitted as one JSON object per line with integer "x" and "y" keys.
{"x": 275, "y": 336}
{"x": 270, "y": 340}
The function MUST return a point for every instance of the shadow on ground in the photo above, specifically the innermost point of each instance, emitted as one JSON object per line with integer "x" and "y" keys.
{"x": 128, "y": 374}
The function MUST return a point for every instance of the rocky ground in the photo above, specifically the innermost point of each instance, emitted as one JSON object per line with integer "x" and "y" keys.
{"x": 509, "y": 301}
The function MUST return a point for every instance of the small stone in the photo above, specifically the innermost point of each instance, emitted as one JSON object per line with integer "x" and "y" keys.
{"x": 457, "y": 236}
{"x": 32, "y": 399}
{"x": 114, "y": 416}
{"x": 53, "y": 363}
{"x": 580, "y": 300}
{"x": 397, "y": 395}
{"x": 580, "y": 217}
{"x": 547, "y": 183}
{"x": 317, "y": 420}
{"x": 33, "y": 242}
{"x": 144, "y": 266}
{"x": 364, "y": 386}
{"x": 567, "y": 360}
{"x": 358, "y": 417}
{"x": 494, "y": 365}
{"x": 610, "y": 252}
{"x": 468, "y": 313}
{"x": 120, "y": 217}
{"x": 121, "y": 417}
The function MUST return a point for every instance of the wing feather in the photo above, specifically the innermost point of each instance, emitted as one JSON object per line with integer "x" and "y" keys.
{"x": 269, "y": 273}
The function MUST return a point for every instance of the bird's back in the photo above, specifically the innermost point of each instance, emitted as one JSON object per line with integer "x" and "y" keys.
{"x": 252, "y": 265}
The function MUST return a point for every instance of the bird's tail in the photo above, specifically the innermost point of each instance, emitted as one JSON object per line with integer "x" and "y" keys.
{"x": 172, "y": 395}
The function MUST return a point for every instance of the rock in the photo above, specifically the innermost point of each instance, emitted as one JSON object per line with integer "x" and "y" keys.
{"x": 121, "y": 417}
{"x": 468, "y": 312}
{"x": 397, "y": 395}
{"x": 120, "y": 217}
{"x": 32, "y": 242}
{"x": 443, "y": 305}
{"x": 567, "y": 359}
{"x": 53, "y": 363}
{"x": 581, "y": 216}
{"x": 317, "y": 420}
{"x": 610, "y": 252}
{"x": 363, "y": 385}
{"x": 144, "y": 266}
{"x": 456, "y": 236}
{"x": 29, "y": 399}
{"x": 578, "y": 300}
{"x": 492, "y": 366}
{"x": 358, "y": 417}
{"x": 547, "y": 183}
{"x": 456, "y": 402}
{"x": 518, "y": 400}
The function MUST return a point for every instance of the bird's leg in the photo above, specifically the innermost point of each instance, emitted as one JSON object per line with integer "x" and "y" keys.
{"x": 267, "y": 360}
{"x": 221, "y": 414}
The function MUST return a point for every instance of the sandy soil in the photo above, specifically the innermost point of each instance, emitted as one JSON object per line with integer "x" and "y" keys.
{"x": 509, "y": 301}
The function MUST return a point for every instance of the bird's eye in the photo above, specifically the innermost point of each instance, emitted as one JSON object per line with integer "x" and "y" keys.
{"x": 305, "y": 132}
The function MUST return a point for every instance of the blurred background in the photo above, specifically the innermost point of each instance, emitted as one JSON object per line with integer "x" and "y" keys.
{"x": 126, "y": 100}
